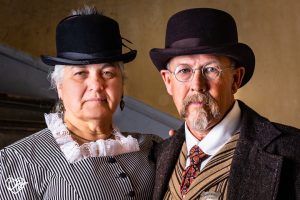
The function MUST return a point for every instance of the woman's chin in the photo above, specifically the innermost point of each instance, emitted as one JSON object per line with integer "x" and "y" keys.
{"x": 97, "y": 116}
{"x": 92, "y": 111}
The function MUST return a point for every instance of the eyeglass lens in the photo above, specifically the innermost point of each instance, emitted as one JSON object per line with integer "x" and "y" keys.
{"x": 185, "y": 73}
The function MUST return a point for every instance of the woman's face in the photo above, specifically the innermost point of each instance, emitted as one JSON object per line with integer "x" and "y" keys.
{"x": 91, "y": 92}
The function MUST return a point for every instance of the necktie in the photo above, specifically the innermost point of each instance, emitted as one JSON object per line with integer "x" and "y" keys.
{"x": 196, "y": 156}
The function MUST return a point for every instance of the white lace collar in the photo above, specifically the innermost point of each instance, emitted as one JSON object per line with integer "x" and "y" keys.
{"x": 75, "y": 152}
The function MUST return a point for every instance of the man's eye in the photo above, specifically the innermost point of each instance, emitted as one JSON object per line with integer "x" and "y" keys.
{"x": 184, "y": 71}
{"x": 210, "y": 69}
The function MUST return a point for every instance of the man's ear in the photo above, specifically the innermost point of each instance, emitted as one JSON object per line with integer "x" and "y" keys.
{"x": 237, "y": 78}
{"x": 165, "y": 74}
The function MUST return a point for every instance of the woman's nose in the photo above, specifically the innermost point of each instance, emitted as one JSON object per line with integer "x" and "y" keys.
{"x": 96, "y": 83}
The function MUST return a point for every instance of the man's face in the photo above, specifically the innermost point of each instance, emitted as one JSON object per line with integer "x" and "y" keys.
{"x": 203, "y": 102}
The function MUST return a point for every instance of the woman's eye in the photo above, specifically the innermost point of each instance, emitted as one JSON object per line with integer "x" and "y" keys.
{"x": 108, "y": 74}
{"x": 80, "y": 73}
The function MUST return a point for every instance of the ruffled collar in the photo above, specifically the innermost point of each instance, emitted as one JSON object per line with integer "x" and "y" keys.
{"x": 75, "y": 152}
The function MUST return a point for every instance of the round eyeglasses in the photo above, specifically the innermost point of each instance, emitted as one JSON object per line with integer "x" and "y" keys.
{"x": 185, "y": 73}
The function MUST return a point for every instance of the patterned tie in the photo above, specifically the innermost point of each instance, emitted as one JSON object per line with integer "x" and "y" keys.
{"x": 191, "y": 172}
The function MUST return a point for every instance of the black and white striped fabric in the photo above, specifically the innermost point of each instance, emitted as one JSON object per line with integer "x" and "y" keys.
{"x": 35, "y": 168}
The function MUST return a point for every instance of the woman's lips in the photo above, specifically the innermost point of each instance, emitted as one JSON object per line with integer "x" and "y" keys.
{"x": 96, "y": 100}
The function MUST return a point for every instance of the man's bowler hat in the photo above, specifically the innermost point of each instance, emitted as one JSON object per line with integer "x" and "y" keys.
{"x": 204, "y": 31}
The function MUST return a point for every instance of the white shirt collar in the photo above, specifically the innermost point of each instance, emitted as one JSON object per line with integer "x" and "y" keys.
{"x": 219, "y": 134}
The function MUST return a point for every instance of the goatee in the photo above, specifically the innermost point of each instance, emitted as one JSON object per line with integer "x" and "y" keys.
{"x": 200, "y": 118}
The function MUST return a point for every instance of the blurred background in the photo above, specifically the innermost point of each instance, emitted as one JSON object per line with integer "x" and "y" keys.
{"x": 270, "y": 27}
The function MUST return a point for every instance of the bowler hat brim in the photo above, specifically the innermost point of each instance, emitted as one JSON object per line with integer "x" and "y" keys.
{"x": 240, "y": 52}
{"x": 86, "y": 59}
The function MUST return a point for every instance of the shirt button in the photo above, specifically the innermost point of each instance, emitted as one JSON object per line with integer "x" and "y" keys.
{"x": 123, "y": 175}
{"x": 111, "y": 160}
{"x": 131, "y": 193}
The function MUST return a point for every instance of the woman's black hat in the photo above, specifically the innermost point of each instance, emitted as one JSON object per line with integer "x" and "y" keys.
{"x": 88, "y": 39}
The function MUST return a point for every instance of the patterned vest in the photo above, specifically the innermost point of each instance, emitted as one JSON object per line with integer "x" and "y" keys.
{"x": 213, "y": 177}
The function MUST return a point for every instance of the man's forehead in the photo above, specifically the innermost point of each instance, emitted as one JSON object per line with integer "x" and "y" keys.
{"x": 199, "y": 58}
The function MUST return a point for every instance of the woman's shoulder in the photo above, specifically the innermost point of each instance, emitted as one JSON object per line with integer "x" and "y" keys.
{"x": 144, "y": 137}
{"x": 146, "y": 141}
{"x": 29, "y": 141}
{"x": 28, "y": 147}
{"x": 22, "y": 149}
{"x": 36, "y": 150}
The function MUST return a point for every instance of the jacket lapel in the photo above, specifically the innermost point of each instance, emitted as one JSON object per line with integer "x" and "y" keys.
{"x": 176, "y": 178}
{"x": 166, "y": 155}
{"x": 254, "y": 172}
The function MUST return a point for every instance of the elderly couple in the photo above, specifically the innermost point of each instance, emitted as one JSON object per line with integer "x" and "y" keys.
{"x": 224, "y": 150}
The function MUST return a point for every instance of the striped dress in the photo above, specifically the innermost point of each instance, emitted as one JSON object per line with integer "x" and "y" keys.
{"x": 36, "y": 168}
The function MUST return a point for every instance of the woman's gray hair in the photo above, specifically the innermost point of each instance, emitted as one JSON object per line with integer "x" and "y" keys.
{"x": 56, "y": 75}
{"x": 86, "y": 10}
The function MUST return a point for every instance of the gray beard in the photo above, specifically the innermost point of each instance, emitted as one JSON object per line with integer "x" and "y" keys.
{"x": 203, "y": 116}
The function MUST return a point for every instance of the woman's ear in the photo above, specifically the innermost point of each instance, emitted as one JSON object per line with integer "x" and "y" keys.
{"x": 59, "y": 90}
{"x": 165, "y": 74}
{"x": 237, "y": 78}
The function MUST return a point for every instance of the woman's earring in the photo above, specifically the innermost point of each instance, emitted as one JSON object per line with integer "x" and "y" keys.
{"x": 60, "y": 106}
{"x": 122, "y": 103}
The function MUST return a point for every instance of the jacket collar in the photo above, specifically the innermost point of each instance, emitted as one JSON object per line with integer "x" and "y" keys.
{"x": 254, "y": 171}
{"x": 262, "y": 130}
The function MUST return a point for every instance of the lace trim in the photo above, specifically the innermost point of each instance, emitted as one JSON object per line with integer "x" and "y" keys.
{"x": 75, "y": 152}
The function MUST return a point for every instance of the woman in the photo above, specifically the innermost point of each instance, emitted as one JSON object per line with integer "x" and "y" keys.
{"x": 82, "y": 155}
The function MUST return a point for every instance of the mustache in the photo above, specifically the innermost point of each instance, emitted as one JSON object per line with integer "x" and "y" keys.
{"x": 205, "y": 98}
{"x": 199, "y": 97}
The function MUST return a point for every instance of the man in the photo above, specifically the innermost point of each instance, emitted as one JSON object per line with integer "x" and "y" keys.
{"x": 224, "y": 150}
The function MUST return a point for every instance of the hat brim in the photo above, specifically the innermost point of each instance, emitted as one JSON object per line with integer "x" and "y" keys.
{"x": 240, "y": 52}
{"x": 52, "y": 61}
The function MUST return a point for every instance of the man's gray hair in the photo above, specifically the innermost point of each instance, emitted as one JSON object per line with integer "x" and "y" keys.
{"x": 56, "y": 75}
{"x": 86, "y": 10}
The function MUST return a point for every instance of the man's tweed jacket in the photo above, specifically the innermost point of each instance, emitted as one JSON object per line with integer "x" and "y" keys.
{"x": 265, "y": 166}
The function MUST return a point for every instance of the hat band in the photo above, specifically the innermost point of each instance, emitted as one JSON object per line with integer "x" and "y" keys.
{"x": 188, "y": 42}
{"x": 85, "y": 56}
{"x": 194, "y": 42}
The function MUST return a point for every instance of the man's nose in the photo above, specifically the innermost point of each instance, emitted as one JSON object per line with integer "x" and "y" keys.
{"x": 199, "y": 82}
